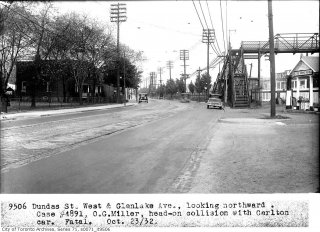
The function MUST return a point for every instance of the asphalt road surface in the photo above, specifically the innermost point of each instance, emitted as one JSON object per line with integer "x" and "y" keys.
{"x": 149, "y": 148}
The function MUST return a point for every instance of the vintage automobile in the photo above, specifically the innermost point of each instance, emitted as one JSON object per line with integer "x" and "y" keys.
{"x": 215, "y": 102}
{"x": 143, "y": 97}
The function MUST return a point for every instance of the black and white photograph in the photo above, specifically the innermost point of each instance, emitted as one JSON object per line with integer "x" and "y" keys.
{"x": 143, "y": 100}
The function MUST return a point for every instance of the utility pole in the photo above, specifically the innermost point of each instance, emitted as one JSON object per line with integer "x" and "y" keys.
{"x": 208, "y": 36}
{"x": 170, "y": 66}
{"x": 160, "y": 71}
{"x": 184, "y": 55}
{"x": 152, "y": 82}
{"x": 124, "y": 78}
{"x": 118, "y": 14}
{"x": 229, "y": 43}
{"x": 272, "y": 61}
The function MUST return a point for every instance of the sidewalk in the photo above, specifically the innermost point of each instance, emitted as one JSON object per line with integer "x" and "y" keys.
{"x": 248, "y": 152}
{"x": 42, "y": 113}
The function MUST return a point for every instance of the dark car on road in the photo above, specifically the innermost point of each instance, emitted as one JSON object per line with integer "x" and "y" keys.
{"x": 143, "y": 97}
{"x": 215, "y": 102}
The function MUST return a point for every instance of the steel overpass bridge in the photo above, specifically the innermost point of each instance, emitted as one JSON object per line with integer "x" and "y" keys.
{"x": 232, "y": 82}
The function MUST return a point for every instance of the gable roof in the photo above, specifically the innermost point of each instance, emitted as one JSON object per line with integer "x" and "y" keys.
{"x": 307, "y": 62}
{"x": 312, "y": 62}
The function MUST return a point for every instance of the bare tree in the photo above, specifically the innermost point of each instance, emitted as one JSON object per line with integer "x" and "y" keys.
{"x": 40, "y": 30}
{"x": 15, "y": 41}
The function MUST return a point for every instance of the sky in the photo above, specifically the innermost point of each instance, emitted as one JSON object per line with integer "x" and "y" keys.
{"x": 162, "y": 28}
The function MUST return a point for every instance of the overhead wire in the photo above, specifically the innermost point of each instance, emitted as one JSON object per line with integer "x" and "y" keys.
{"x": 227, "y": 24}
{"x": 197, "y": 13}
{"x": 218, "y": 47}
{"x": 213, "y": 47}
{"x": 224, "y": 42}
{"x": 203, "y": 14}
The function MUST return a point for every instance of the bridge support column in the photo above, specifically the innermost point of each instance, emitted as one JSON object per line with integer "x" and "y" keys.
{"x": 259, "y": 87}
{"x": 298, "y": 89}
{"x": 311, "y": 91}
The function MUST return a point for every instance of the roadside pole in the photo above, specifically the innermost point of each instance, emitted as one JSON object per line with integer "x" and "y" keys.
{"x": 272, "y": 60}
{"x": 124, "y": 78}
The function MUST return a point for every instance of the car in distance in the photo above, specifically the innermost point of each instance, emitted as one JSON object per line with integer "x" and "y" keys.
{"x": 214, "y": 102}
{"x": 143, "y": 97}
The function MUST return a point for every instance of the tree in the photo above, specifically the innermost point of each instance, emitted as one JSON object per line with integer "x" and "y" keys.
{"x": 171, "y": 87}
{"x": 180, "y": 85}
{"x": 14, "y": 39}
{"x": 39, "y": 31}
{"x": 79, "y": 35}
{"x": 199, "y": 85}
{"x": 133, "y": 76}
{"x": 206, "y": 82}
{"x": 191, "y": 87}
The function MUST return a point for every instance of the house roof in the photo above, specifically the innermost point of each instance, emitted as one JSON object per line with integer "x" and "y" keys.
{"x": 307, "y": 62}
{"x": 312, "y": 62}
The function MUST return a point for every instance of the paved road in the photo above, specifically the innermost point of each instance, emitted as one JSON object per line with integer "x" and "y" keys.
{"x": 149, "y": 148}
{"x": 162, "y": 147}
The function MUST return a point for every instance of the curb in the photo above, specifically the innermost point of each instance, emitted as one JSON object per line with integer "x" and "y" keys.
{"x": 8, "y": 117}
{"x": 301, "y": 112}
{"x": 245, "y": 121}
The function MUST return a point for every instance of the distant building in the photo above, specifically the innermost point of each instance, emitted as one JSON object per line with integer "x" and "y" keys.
{"x": 281, "y": 86}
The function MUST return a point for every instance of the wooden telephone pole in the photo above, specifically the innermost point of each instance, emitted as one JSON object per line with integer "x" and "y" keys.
{"x": 118, "y": 14}
{"x": 272, "y": 61}
{"x": 184, "y": 55}
{"x": 208, "y": 36}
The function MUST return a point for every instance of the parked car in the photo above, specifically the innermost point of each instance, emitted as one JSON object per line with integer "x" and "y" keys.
{"x": 143, "y": 97}
{"x": 215, "y": 102}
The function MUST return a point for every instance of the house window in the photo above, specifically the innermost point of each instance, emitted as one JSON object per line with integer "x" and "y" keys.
{"x": 85, "y": 89}
{"x": 265, "y": 85}
{"x": 303, "y": 84}
{"x": 294, "y": 84}
{"x": 23, "y": 87}
{"x": 48, "y": 86}
{"x": 266, "y": 96}
{"x": 281, "y": 85}
{"x": 315, "y": 82}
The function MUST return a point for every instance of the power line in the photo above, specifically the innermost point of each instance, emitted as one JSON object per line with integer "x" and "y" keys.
{"x": 213, "y": 48}
{"x": 224, "y": 42}
{"x": 213, "y": 27}
{"x": 204, "y": 17}
{"x": 197, "y": 14}
{"x": 227, "y": 23}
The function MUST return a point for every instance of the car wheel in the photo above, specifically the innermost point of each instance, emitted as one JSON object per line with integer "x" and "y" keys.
{"x": 207, "y": 107}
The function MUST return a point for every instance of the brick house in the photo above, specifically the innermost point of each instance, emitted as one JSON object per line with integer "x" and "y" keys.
{"x": 54, "y": 85}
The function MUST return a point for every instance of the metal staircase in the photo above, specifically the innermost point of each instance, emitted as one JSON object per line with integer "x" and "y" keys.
{"x": 234, "y": 71}
{"x": 233, "y": 74}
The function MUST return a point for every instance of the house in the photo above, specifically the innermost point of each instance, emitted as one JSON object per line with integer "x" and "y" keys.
{"x": 281, "y": 86}
{"x": 304, "y": 80}
{"x": 55, "y": 83}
